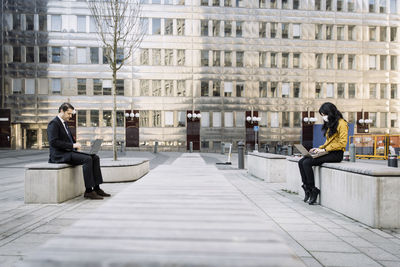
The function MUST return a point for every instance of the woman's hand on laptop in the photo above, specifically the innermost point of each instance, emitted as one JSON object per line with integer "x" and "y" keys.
{"x": 316, "y": 150}
{"x": 77, "y": 145}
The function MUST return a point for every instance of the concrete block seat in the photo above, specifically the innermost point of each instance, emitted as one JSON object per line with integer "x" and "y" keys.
{"x": 267, "y": 166}
{"x": 369, "y": 193}
{"x": 57, "y": 182}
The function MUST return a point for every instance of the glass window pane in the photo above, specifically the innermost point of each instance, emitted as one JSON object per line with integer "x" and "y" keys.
{"x": 107, "y": 122}
{"x": 156, "y": 30}
{"x": 56, "y": 23}
{"x": 94, "y": 55}
{"x": 81, "y": 86}
{"x": 216, "y": 119}
{"x": 228, "y": 118}
{"x": 169, "y": 118}
{"x": 30, "y": 86}
{"x": 94, "y": 118}
{"x": 97, "y": 87}
{"x": 205, "y": 119}
{"x": 156, "y": 118}
{"x": 56, "y": 86}
{"x": 81, "y": 22}
{"x": 82, "y": 118}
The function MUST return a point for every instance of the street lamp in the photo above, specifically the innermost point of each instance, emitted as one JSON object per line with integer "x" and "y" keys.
{"x": 193, "y": 115}
{"x": 253, "y": 119}
{"x": 132, "y": 114}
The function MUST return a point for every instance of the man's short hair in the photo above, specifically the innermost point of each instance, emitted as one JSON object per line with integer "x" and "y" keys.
{"x": 65, "y": 106}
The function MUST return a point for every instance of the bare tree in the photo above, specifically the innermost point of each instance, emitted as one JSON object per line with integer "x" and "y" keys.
{"x": 121, "y": 32}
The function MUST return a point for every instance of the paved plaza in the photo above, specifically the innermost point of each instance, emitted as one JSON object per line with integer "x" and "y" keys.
{"x": 187, "y": 211}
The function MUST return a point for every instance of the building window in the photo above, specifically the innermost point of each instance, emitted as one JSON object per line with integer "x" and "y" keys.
{"x": 228, "y": 89}
{"x": 56, "y": 86}
{"x": 204, "y": 58}
{"x": 156, "y": 90}
{"x": 351, "y": 62}
{"x": 351, "y": 32}
{"x": 285, "y": 119}
{"x": 205, "y": 119}
{"x": 274, "y": 89}
{"x": 204, "y": 3}
{"x": 318, "y": 31}
{"x": 273, "y": 30}
{"x": 273, "y": 4}
{"x": 352, "y": 90}
{"x": 372, "y": 90}
{"x": 262, "y": 3}
{"x": 156, "y": 57}
{"x": 30, "y": 54}
{"x": 382, "y": 62}
{"x": 372, "y": 33}
{"x": 393, "y": 62}
{"x": 144, "y": 87}
{"x": 239, "y": 89}
{"x": 81, "y": 55}
{"x": 216, "y": 119}
{"x": 181, "y": 88}
{"x": 393, "y": 91}
{"x": 169, "y": 87}
{"x": 350, "y": 5}
{"x": 97, "y": 87}
{"x": 107, "y": 87}
{"x": 156, "y": 29}
{"x": 17, "y": 86}
{"x": 169, "y": 57}
{"x": 216, "y": 28}
{"x": 296, "y": 89}
{"x": 239, "y": 31}
{"x": 56, "y": 54}
{"x": 106, "y": 55}
{"x": 318, "y": 90}
{"x": 239, "y": 58}
{"x": 156, "y": 118}
{"x": 43, "y": 23}
{"x": 81, "y": 22}
{"x": 372, "y": 62}
{"x": 274, "y": 61}
{"x": 393, "y": 120}
{"x": 181, "y": 57}
{"x": 29, "y": 20}
{"x": 297, "y": 119}
{"x": 318, "y": 5}
{"x": 120, "y": 55}
{"x": 82, "y": 118}
{"x": 107, "y": 118}
{"x": 328, "y": 5}
{"x": 382, "y": 34}
{"x": 227, "y": 28}
{"x": 168, "y": 29}
{"x": 329, "y": 90}
{"x": 144, "y": 118}
{"x": 383, "y": 90}
{"x": 296, "y": 4}
{"x": 228, "y": 59}
{"x": 204, "y": 88}
{"x": 169, "y": 119}
{"x": 393, "y": 34}
{"x": 180, "y": 25}
{"x": 216, "y": 88}
{"x": 296, "y": 60}
{"x": 340, "y": 33}
{"x": 262, "y": 89}
{"x": 16, "y": 54}
{"x": 30, "y": 87}
{"x": 56, "y": 23}
{"x": 383, "y": 119}
{"x": 120, "y": 118}
{"x": 216, "y": 58}
{"x": 285, "y": 30}
{"x": 119, "y": 87}
{"x": 340, "y": 90}
{"x": 94, "y": 118}
{"x": 144, "y": 57}
{"x": 94, "y": 55}
{"x": 228, "y": 119}
{"x": 371, "y": 6}
{"x": 285, "y": 90}
{"x": 285, "y": 4}
{"x": 318, "y": 61}
{"x": 274, "y": 120}
{"x": 262, "y": 59}
{"x": 393, "y": 6}
{"x": 92, "y": 25}
{"x": 296, "y": 31}
{"x": 262, "y": 31}
{"x": 339, "y": 5}
{"x": 182, "y": 119}
{"x": 329, "y": 32}
{"x": 340, "y": 61}
{"x": 285, "y": 60}
{"x": 204, "y": 27}
{"x": 382, "y": 6}
{"x": 81, "y": 86}
{"x": 329, "y": 61}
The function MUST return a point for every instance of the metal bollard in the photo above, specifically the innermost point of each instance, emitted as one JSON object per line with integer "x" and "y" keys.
{"x": 352, "y": 151}
{"x": 241, "y": 155}
{"x": 392, "y": 161}
{"x": 155, "y": 147}
{"x": 191, "y": 146}
{"x": 222, "y": 148}
{"x": 290, "y": 150}
{"x": 256, "y": 147}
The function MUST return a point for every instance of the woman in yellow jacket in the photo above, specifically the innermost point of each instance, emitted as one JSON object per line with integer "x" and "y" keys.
{"x": 335, "y": 129}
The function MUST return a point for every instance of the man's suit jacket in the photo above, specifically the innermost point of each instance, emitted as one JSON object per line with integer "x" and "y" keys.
{"x": 61, "y": 147}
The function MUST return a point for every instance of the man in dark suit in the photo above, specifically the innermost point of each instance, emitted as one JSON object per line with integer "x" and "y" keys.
{"x": 64, "y": 149}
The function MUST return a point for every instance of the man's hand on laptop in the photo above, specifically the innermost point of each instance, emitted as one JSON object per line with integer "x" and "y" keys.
{"x": 77, "y": 145}
{"x": 316, "y": 150}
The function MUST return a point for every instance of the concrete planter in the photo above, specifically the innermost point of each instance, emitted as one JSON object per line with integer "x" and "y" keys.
{"x": 266, "y": 166}
{"x": 124, "y": 169}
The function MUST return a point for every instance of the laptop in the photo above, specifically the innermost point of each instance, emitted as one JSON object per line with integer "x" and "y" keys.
{"x": 94, "y": 148}
{"x": 306, "y": 153}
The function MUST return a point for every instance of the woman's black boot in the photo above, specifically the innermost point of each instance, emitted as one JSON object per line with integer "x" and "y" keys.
{"x": 306, "y": 193}
{"x": 313, "y": 196}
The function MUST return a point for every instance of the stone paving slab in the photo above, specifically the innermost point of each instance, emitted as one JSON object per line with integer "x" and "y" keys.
{"x": 195, "y": 217}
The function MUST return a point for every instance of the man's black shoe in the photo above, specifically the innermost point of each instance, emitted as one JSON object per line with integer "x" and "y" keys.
{"x": 313, "y": 196}
{"x": 306, "y": 193}
{"x": 92, "y": 195}
{"x": 100, "y": 192}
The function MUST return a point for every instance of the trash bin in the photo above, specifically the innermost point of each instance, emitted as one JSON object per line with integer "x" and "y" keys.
{"x": 392, "y": 161}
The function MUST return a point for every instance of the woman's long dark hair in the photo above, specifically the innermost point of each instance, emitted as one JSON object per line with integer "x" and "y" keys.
{"x": 334, "y": 115}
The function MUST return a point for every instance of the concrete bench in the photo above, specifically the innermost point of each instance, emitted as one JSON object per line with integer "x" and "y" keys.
{"x": 267, "y": 166}
{"x": 56, "y": 183}
{"x": 369, "y": 193}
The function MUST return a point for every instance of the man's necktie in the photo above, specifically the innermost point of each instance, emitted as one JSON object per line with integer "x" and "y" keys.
{"x": 68, "y": 132}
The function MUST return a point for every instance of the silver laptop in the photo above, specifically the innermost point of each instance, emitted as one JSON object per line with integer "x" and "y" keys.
{"x": 306, "y": 153}
{"x": 94, "y": 148}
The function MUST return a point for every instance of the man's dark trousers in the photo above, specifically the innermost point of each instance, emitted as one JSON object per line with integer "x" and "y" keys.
{"x": 91, "y": 168}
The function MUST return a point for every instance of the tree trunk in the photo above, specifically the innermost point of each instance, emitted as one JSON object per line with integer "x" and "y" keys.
{"x": 114, "y": 113}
